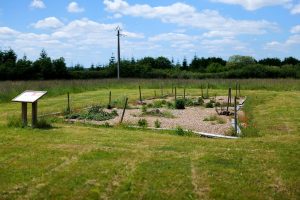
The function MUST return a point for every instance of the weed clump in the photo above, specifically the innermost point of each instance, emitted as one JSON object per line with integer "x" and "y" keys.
{"x": 179, "y": 131}
{"x": 157, "y": 123}
{"x": 94, "y": 113}
{"x": 142, "y": 123}
{"x": 180, "y": 104}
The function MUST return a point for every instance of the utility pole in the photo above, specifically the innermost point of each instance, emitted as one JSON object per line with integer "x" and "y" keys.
{"x": 118, "y": 29}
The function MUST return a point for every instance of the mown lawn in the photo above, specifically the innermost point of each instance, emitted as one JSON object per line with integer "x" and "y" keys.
{"x": 75, "y": 161}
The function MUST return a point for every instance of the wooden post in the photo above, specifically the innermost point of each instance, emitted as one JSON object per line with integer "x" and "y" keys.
{"x": 202, "y": 91}
{"x": 24, "y": 114}
{"x": 175, "y": 94}
{"x": 184, "y": 93}
{"x": 109, "y": 100}
{"x": 230, "y": 96}
{"x": 228, "y": 100}
{"x": 236, "y": 89}
{"x": 34, "y": 114}
{"x": 207, "y": 91}
{"x": 68, "y": 106}
{"x": 235, "y": 116}
{"x": 125, "y": 105}
{"x": 140, "y": 93}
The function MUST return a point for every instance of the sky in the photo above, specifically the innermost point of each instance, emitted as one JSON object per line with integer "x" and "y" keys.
{"x": 83, "y": 31}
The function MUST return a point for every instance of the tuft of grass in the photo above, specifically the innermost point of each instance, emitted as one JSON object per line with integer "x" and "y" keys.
{"x": 157, "y": 123}
{"x": 43, "y": 123}
{"x": 14, "y": 121}
{"x": 215, "y": 118}
{"x": 142, "y": 123}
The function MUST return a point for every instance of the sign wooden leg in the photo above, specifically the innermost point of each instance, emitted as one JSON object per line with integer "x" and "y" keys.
{"x": 24, "y": 114}
{"x": 34, "y": 114}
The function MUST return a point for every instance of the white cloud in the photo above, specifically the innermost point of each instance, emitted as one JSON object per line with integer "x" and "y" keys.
{"x": 255, "y": 4}
{"x": 296, "y": 9}
{"x": 295, "y": 29}
{"x": 37, "y": 4}
{"x": 292, "y": 41}
{"x": 185, "y": 15}
{"x": 73, "y": 7}
{"x": 49, "y": 22}
{"x": 82, "y": 40}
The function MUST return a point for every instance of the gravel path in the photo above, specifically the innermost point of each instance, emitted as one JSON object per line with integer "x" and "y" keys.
{"x": 190, "y": 118}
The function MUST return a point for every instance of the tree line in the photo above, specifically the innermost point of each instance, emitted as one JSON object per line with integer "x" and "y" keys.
{"x": 237, "y": 66}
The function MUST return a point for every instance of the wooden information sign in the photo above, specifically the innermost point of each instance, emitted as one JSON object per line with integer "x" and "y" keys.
{"x": 29, "y": 96}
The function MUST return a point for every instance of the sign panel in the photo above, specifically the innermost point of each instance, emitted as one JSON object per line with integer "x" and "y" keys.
{"x": 29, "y": 96}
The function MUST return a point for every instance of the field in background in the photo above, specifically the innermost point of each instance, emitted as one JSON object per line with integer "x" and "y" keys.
{"x": 9, "y": 89}
{"x": 75, "y": 161}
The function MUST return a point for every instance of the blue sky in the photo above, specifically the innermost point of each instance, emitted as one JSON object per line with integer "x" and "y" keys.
{"x": 83, "y": 31}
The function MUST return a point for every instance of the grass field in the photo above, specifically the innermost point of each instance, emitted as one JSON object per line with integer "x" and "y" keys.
{"x": 76, "y": 161}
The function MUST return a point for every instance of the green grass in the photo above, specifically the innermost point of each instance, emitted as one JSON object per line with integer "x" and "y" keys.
{"x": 9, "y": 89}
{"x": 76, "y": 161}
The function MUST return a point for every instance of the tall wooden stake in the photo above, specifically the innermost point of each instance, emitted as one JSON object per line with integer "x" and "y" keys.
{"x": 125, "y": 105}
{"x": 68, "y": 106}
{"x": 140, "y": 93}
{"x": 175, "y": 94}
{"x": 184, "y": 93}
{"x": 109, "y": 99}
{"x": 207, "y": 91}
{"x": 235, "y": 116}
{"x": 236, "y": 89}
{"x": 228, "y": 100}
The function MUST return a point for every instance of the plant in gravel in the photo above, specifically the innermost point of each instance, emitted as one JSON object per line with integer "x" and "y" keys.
{"x": 158, "y": 104}
{"x": 209, "y": 105}
{"x": 142, "y": 123}
{"x": 170, "y": 105}
{"x": 218, "y": 104}
{"x": 188, "y": 102}
{"x": 180, "y": 104}
{"x": 144, "y": 109}
{"x": 150, "y": 105}
{"x": 215, "y": 118}
{"x": 200, "y": 101}
{"x": 210, "y": 118}
{"x": 157, "y": 123}
{"x": 94, "y": 113}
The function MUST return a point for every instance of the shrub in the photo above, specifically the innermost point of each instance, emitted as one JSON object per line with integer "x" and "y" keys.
{"x": 157, "y": 104}
{"x": 209, "y": 105}
{"x": 170, "y": 105}
{"x": 144, "y": 109}
{"x": 157, "y": 123}
{"x": 142, "y": 123}
{"x": 200, "y": 101}
{"x": 189, "y": 102}
{"x": 180, "y": 104}
{"x": 150, "y": 105}
{"x": 94, "y": 109}
{"x": 218, "y": 104}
